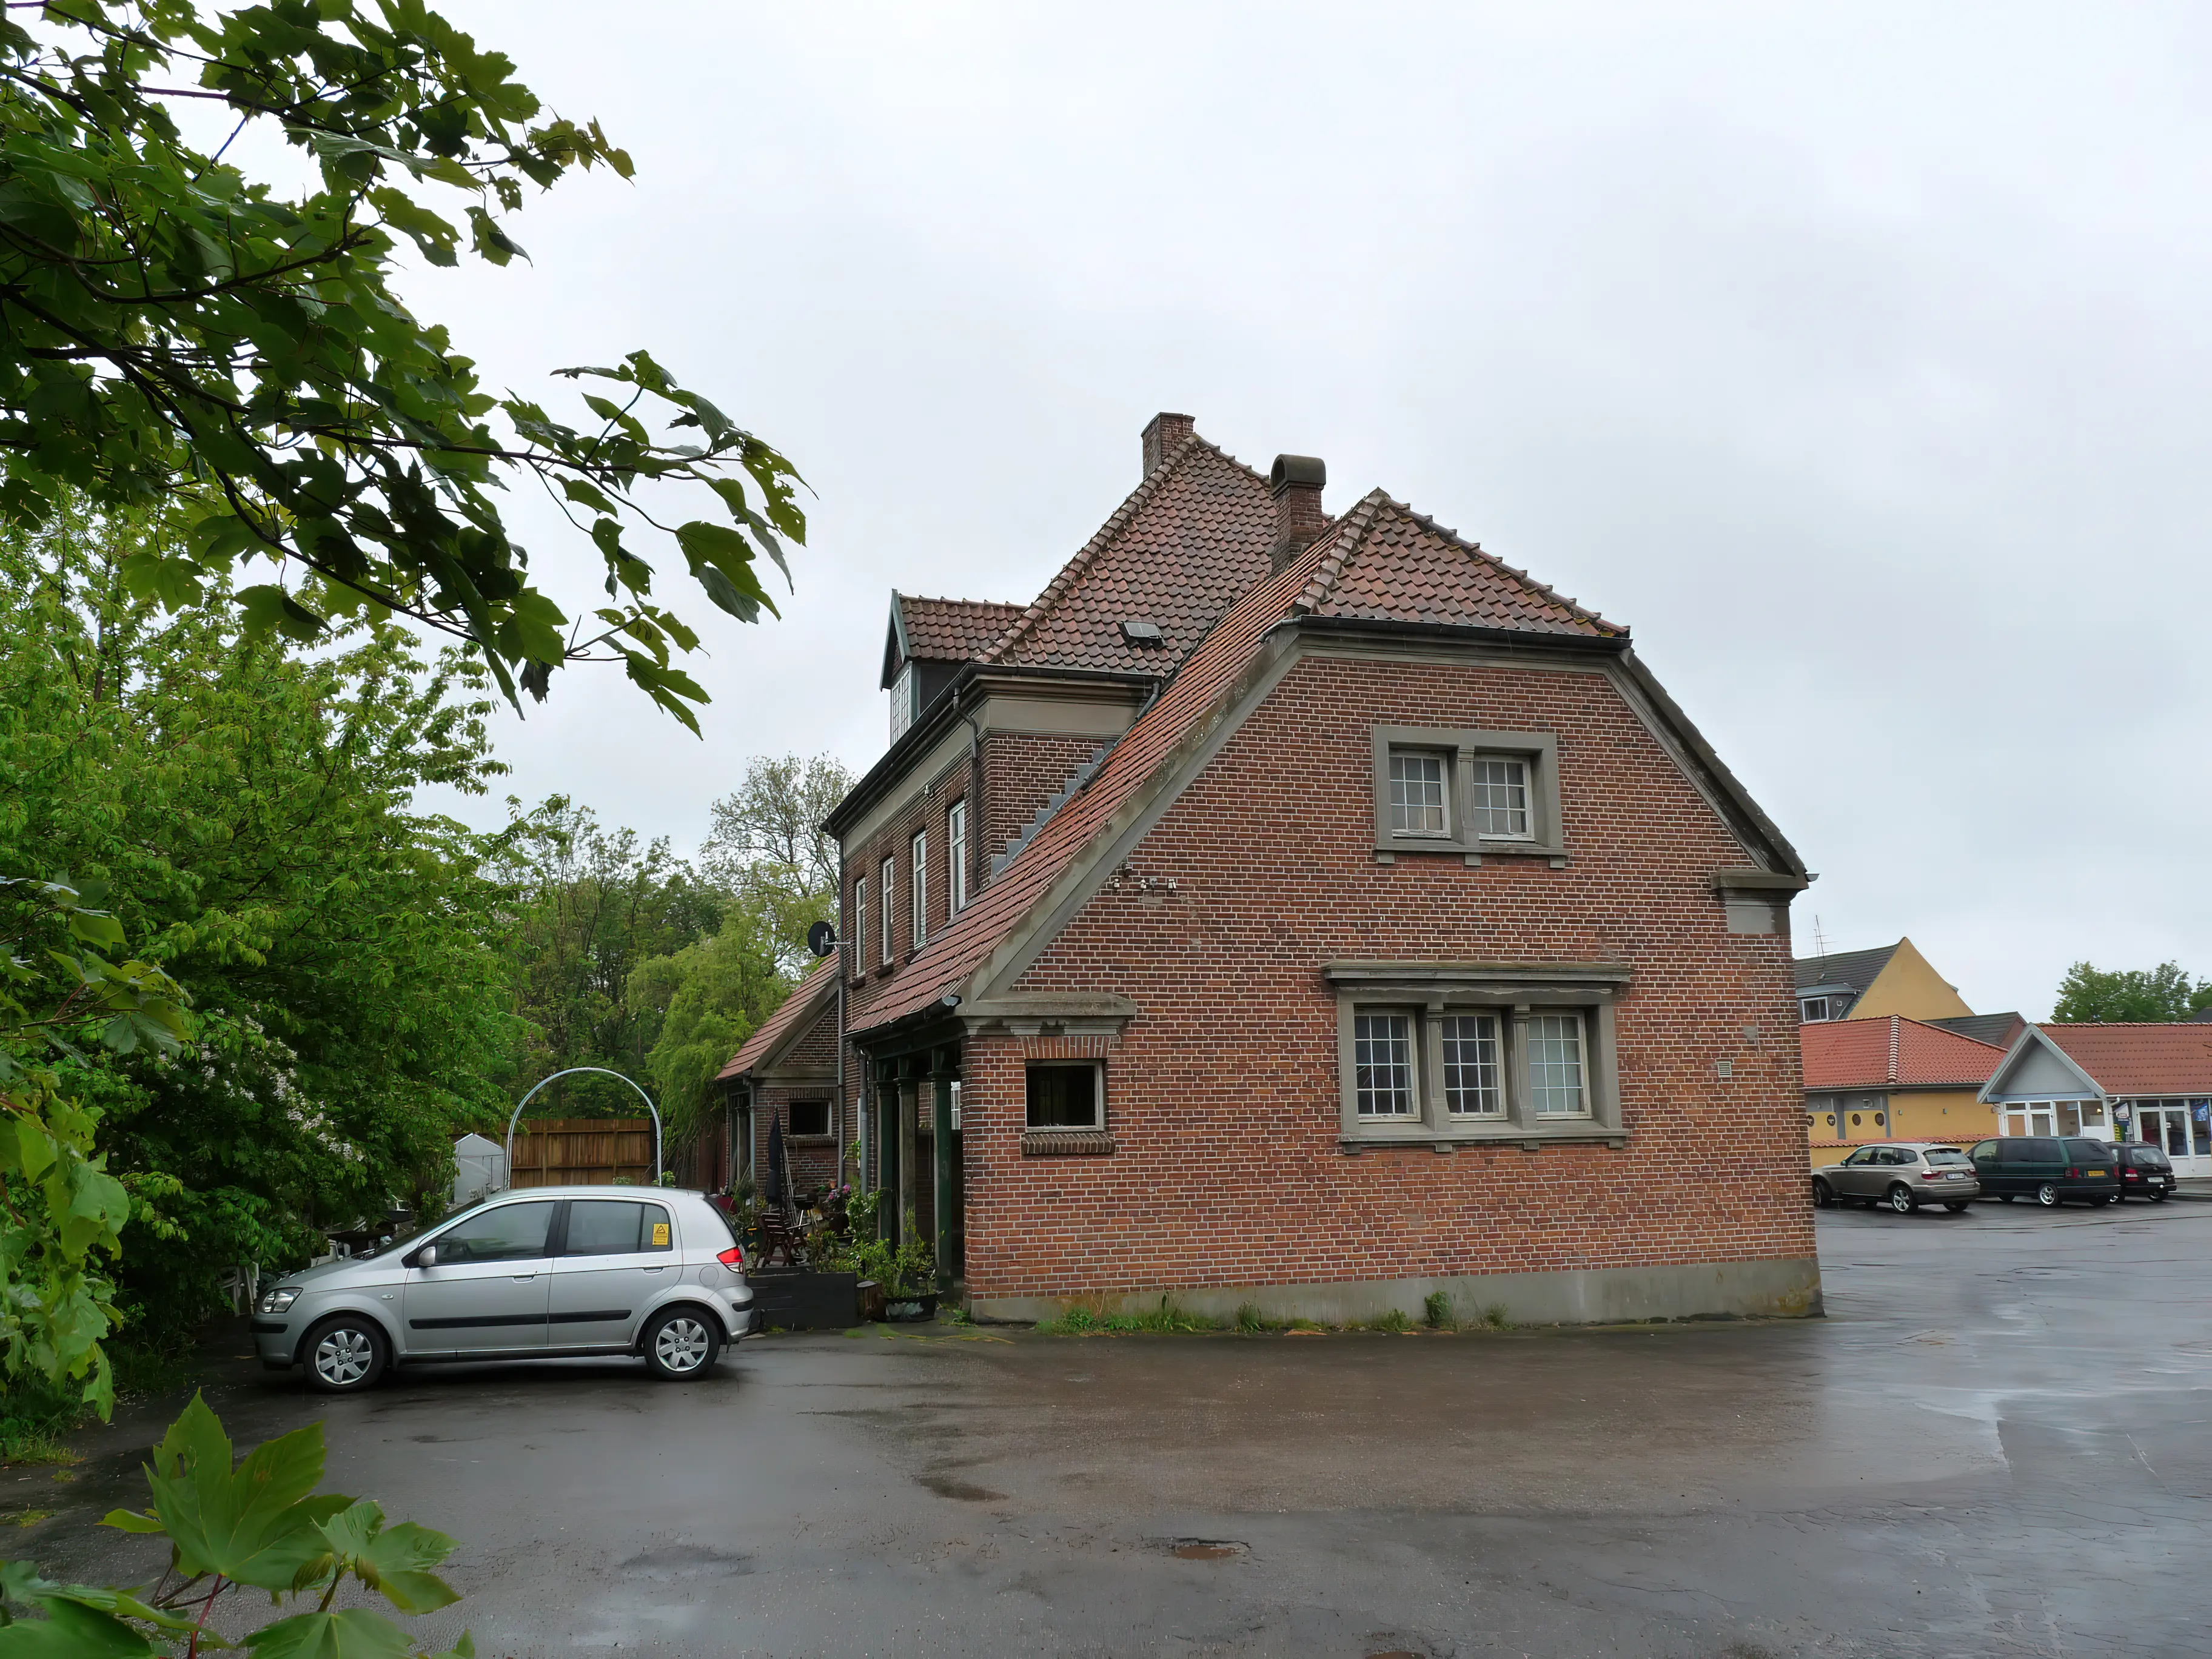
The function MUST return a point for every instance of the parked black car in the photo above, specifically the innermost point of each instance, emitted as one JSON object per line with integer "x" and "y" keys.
{"x": 2145, "y": 1171}
{"x": 2048, "y": 1170}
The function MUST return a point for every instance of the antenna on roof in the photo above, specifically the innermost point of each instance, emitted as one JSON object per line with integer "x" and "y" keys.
{"x": 1819, "y": 939}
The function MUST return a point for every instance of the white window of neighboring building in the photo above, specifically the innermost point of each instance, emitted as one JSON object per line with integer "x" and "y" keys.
{"x": 921, "y": 897}
{"x": 1419, "y": 794}
{"x": 955, "y": 857}
{"x": 1382, "y": 1050}
{"x": 1500, "y": 804}
{"x": 889, "y": 886}
{"x": 1475, "y": 1079}
{"x": 1555, "y": 1083}
{"x": 858, "y": 932}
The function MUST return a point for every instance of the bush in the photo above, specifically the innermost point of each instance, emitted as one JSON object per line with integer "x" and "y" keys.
{"x": 1437, "y": 1310}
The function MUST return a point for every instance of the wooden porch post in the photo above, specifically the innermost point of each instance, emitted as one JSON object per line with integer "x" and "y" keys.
{"x": 943, "y": 1069}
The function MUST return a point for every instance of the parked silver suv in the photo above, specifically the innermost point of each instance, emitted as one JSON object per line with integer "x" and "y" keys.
{"x": 532, "y": 1273}
{"x": 1902, "y": 1174}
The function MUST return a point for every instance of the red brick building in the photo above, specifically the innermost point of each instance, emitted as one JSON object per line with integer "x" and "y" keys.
{"x": 1314, "y": 912}
{"x": 785, "y": 1074}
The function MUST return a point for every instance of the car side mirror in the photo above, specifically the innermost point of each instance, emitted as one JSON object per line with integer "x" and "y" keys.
{"x": 427, "y": 1256}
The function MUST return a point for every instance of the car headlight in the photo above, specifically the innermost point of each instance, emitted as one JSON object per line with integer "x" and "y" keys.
{"x": 279, "y": 1300}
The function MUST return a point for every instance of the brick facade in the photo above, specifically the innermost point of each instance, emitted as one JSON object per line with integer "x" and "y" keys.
{"x": 1197, "y": 913}
{"x": 1222, "y": 1094}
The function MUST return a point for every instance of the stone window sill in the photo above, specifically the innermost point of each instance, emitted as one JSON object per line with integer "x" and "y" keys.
{"x": 1066, "y": 1143}
{"x": 1503, "y": 1135}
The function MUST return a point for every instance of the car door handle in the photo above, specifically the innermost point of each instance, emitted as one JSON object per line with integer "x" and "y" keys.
{"x": 522, "y": 1278}
{"x": 648, "y": 1270}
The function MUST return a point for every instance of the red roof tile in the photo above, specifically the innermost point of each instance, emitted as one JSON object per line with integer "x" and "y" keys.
{"x": 807, "y": 1000}
{"x": 1190, "y": 538}
{"x": 2140, "y": 1059}
{"x": 1893, "y": 1052}
{"x": 953, "y": 630}
{"x": 1375, "y": 543}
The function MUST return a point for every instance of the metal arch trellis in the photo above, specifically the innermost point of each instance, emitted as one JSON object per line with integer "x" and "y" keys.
{"x": 572, "y": 1071}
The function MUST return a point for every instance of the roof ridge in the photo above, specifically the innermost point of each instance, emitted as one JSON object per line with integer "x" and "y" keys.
{"x": 1116, "y": 522}
{"x": 1337, "y": 544}
{"x": 1892, "y": 1047}
{"x": 946, "y": 599}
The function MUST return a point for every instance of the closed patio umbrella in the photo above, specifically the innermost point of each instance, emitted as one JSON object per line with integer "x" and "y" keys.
{"x": 773, "y": 1188}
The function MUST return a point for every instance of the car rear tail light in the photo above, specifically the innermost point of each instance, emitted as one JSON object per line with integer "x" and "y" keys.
{"x": 732, "y": 1257}
{"x": 2072, "y": 1175}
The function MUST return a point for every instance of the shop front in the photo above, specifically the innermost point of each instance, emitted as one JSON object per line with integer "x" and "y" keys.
{"x": 2181, "y": 1124}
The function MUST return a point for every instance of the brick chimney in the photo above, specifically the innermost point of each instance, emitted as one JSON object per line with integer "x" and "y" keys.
{"x": 1295, "y": 481}
{"x": 1163, "y": 435}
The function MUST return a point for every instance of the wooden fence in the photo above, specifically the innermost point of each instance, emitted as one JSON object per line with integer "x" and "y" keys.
{"x": 578, "y": 1151}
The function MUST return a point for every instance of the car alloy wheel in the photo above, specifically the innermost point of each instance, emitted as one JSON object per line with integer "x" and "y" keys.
{"x": 680, "y": 1344}
{"x": 1824, "y": 1195}
{"x": 2159, "y": 1197}
{"x": 1954, "y": 1205}
{"x": 2047, "y": 1194}
{"x": 1901, "y": 1198}
{"x": 345, "y": 1356}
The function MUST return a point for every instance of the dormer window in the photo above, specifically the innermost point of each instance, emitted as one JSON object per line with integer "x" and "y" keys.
{"x": 906, "y": 701}
{"x": 1812, "y": 1010}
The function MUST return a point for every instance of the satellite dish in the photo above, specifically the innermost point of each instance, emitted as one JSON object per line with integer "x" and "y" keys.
{"x": 822, "y": 938}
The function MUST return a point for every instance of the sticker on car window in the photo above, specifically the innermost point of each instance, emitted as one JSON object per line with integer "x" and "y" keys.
{"x": 660, "y": 1234}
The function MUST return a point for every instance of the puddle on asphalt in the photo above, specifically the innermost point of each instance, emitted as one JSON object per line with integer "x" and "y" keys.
{"x": 1204, "y": 1549}
{"x": 676, "y": 1562}
{"x": 961, "y": 1489}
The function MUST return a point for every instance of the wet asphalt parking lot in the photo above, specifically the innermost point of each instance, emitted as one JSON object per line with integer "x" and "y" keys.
{"x": 1995, "y": 1443}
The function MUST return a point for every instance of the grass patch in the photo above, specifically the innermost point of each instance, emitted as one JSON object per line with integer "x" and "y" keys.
{"x": 1248, "y": 1320}
{"x": 1494, "y": 1317}
{"x": 1393, "y": 1322}
{"x": 1169, "y": 1316}
{"x": 30, "y": 1517}
{"x": 1437, "y": 1311}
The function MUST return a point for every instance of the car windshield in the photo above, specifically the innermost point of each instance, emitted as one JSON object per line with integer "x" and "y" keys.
{"x": 2089, "y": 1152}
{"x": 2150, "y": 1157}
{"x": 1946, "y": 1155}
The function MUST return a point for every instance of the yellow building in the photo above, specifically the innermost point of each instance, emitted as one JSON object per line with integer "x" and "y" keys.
{"x": 1895, "y": 979}
{"x": 1893, "y": 1079}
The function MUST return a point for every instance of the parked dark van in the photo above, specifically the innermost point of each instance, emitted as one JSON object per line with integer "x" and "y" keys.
{"x": 2048, "y": 1169}
{"x": 2145, "y": 1171}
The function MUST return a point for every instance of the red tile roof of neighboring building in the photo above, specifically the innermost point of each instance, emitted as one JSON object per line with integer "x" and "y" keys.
{"x": 1893, "y": 1052}
{"x": 1190, "y": 538}
{"x": 2140, "y": 1059}
{"x": 953, "y": 630}
{"x": 1376, "y": 543}
{"x": 807, "y": 1000}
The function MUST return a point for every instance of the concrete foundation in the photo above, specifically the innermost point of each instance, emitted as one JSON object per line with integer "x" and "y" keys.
{"x": 1785, "y": 1289}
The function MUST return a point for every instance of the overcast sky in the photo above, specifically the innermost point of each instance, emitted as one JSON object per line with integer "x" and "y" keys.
{"x": 1856, "y": 358}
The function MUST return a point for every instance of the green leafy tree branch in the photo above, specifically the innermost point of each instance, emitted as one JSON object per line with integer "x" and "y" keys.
{"x": 178, "y": 337}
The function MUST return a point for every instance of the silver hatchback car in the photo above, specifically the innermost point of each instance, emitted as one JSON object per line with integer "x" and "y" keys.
{"x": 534, "y": 1273}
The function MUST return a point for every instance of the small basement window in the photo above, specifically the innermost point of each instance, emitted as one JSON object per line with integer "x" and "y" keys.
{"x": 1067, "y": 1097}
{"x": 809, "y": 1117}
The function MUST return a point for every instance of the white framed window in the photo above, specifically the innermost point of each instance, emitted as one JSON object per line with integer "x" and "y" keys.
{"x": 1475, "y": 1073}
{"x": 1065, "y": 1094}
{"x": 1812, "y": 1010}
{"x": 1499, "y": 804}
{"x": 889, "y": 886}
{"x": 906, "y": 692}
{"x": 1420, "y": 793}
{"x": 956, "y": 858}
{"x": 858, "y": 932}
{"x": 1472, "y": 793}
{"x": 918, "y": 870}
{"x": 1445, "y": 1052}
{"x": 1382, "y": 1052}
{"x": 1557, "y": 1082}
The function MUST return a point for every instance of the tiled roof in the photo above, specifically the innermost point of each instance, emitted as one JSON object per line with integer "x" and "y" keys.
{"x": 2140, "y": 1059}
{"x": 807, "y": 999}
{"x": 1190, "y": 538}
{"x": 1360, "y": 554}
{"x": 953, "y": 630}
{"x": 1893, "y": 1052}
{"x": 1409, "y": 569}
{"x": 1856, "y": 968}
